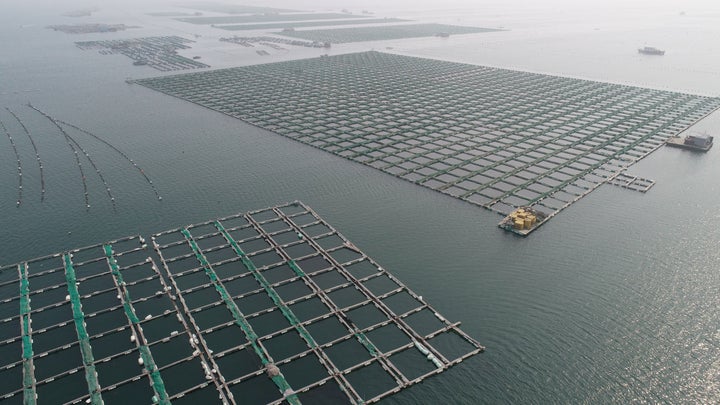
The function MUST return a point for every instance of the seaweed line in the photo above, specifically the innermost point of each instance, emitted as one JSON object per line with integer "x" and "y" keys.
{"x": 121, "y": 153}
{"x": 37, "y": 154}
{"x": 19, "y": 167}
{"x": 75, "y": 152}
{"x": 97, "y": 170}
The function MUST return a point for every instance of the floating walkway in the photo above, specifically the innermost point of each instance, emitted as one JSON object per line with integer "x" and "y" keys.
{"x": 272, "y": 306}
{"x": 496, "y": 138}
{"x": 83, "y": 338}
{"x": 631, "y": 182}
{"x": 29, "y": 395}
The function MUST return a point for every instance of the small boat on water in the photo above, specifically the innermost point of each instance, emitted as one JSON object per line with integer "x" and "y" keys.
{"x": 649, "y": 50}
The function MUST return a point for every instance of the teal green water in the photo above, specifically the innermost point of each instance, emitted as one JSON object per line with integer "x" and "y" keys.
{"x": 613, "y": 301}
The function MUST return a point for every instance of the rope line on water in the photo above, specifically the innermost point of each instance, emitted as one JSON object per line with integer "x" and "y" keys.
{"x": 120, "y": 152}
{"x": 19, "y": 164}
{"x": 37, "y": 153}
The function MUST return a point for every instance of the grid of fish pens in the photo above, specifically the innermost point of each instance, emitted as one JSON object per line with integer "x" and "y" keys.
{"x": 265, "y": 18}
{"x": 157, "y": 52}
{"x": 326, "y": 23}
{"x": 382, "y": 33}
{"x": 272, "y": 306}
{"x": 96, "y": 325}
{"x": 288, "y": 310}
{"x": 496, "y": 138}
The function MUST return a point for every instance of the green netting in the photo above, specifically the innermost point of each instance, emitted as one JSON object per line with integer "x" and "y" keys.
{"x": 29, "y": 396}
{"x": 157, "y": 380}
{"x": 145, "y": 354}
{"x": 83, "y": 338}
{"x": 296, "y": 269}
{"x": 367, "y": 343}
{"x": 286, "y": 311}
{"x": 250, "y": 334}
{"x": 115, "y": 270}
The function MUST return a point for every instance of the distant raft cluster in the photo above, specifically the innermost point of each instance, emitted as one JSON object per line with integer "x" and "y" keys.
{"x": 79, "y": 152}
{"x": 268, "y": 307}
{"x": 272, "y": 42}
{"x": 90, "y": 28}
{"x": 382, "y": 33}
{"x": 156, "y": 52}
{"x": 363, "y": 28}
{"x": 497, "y": 138}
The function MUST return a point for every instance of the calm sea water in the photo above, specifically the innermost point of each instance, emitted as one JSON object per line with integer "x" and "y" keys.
{"x": 613, "y": 301}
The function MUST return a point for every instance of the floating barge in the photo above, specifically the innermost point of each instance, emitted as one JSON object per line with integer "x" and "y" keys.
{"x": 649, "y": 50}
{"x": 272, "y": 306}
{"x": 523, "y": 220}
{"x": 701, "y": 143}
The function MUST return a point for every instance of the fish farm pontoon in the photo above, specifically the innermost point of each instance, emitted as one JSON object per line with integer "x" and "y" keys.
{"x": 272, "y": 306}
{"x": 497, "y": 138}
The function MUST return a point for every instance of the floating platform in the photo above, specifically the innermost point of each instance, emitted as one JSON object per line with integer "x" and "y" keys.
{"x": 381, "y": 33}
{"x": 691, "y": 142}
{"x": 631, "y": 182}
{"x": 523, "y": 220}
{"x": 272, "y": 306}
{"x": 496, "y": 138}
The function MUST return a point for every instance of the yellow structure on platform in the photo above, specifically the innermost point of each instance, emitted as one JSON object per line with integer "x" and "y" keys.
{"x": 523, "y": 219}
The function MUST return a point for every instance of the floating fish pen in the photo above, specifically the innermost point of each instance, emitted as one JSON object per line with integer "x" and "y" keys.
{"x": 89, "y": 28}
{"x": 271, "y": 306}
{"x": 266, "y": 18}
{"x": 381, "y": 33}
{"x": 326, "y": 23}
{"x": 266, "y": 40}
{"x": 157, "y": 52}
{"x": 631, "y": 182}
{"x": 82, "y": 13}
{"x": 497, "y": 138}
{"x": 237, "y": 9}
{"x": 170, "y": 14}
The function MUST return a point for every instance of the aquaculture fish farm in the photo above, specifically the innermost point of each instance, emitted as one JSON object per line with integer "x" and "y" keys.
{"x": 157, "y": 52}
{"x": 271, "y": 306}
{"x": 261, "y": 18}
{"x": 497, "y": 138}
{"x": 283, "y": 25}
{"x": 381, "y": 33}
{"x": 236, "y": 8}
